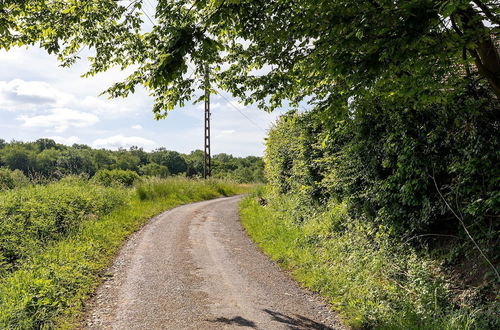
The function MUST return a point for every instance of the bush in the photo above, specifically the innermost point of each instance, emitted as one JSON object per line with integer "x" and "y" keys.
{"x": 33, "y": 217}
{"x": 391, "y": 165}
{"x": 419, "y": 176}
{"x": 12, "y": 179}
{"x": 153, "y": 169}
{"x": 115, "y": 177}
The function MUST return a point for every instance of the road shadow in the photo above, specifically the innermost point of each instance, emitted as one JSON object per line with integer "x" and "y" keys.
{"x": 297, "y": 322}
{"x": 238, "y": 320}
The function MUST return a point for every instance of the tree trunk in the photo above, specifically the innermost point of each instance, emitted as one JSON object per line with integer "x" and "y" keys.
{"x": 486, "y": 54}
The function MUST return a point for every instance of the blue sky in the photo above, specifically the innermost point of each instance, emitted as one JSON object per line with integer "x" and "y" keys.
{"x": 40, "y": 99}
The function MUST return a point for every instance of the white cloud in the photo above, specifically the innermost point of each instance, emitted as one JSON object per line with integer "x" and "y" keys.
{"x": 70, "y": 140}
{"x": 60, "y": 119}
{"x": 136, "y": 126}
{"x": 224, "y": 133}
{"x": 213, "y": 105}
{"x": 20, "y": 95}
{"x": 27, "y": 95}
{"x": 117, "y": 141}
{"x": 98, "y": 105}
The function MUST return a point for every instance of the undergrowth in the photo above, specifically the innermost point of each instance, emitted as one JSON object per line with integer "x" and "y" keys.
{"x": 369, "y": 278}
{"x": 56, "y": 240}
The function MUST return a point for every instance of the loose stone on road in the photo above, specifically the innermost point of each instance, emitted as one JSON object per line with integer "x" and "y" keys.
{"x": 194, "y": 267}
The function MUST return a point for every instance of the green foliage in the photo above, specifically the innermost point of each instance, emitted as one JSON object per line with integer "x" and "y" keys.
{"x": 391, "y": 165}
{"x": 33, "y": 217}
{"x": 182, "y": 189}
{"x": 76, "y": 161}
{"x": 153, "y": 169}
{"x": 194, "y": 162}
{"x": 16, "y": 157}
{"x": 60, "y": 270}
{"x": 110, "y": 178}
{"x": 45, "y": 160}
{"x": 127, "y": 161}
{"x": 384, "y": 211}
{"x": 12, "y": 179}
{"x": 371, "y": 279}
{"x": 243, "y": 170}
{"x": 322, "y": 51}
{"x": 170, "y": 159}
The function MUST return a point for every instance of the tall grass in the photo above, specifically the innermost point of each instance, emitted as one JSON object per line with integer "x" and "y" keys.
{"x": 47, "y": 289}
{"x": 372, "y": 281}
{"x": 185, "y": 190}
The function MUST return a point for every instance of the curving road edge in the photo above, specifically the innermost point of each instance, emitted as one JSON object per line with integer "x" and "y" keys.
{"x": 194, "y": 267}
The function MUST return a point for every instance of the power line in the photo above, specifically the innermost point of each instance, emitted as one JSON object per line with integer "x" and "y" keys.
{"x": 151, "y": 5}
{"x": 243, "y": 114}
{"x": 149, "y": 18}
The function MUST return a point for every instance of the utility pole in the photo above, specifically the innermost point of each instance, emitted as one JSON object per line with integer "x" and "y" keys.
{"x": 207, "y": 164}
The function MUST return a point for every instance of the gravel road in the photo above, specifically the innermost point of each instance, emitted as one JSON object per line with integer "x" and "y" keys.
{"x": 194, "y": 267}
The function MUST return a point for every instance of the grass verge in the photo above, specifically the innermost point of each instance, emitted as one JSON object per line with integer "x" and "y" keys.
{"x": 372, "y": 281}
{"x": 48, "y": 286}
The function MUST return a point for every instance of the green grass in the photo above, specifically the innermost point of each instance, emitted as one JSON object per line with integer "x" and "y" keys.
{"x": 46, "y": 287}
{"x": 372, "y": 281}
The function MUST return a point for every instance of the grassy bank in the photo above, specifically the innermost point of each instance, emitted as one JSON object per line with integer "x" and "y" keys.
{"x": 370, "y": 279}
{"x": 57, "y": 239}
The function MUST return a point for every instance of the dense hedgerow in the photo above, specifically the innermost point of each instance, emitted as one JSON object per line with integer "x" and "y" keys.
{"x": 33, "y": 217}
{"x": 397, "y": 166}
{"x": 424, "y": 178}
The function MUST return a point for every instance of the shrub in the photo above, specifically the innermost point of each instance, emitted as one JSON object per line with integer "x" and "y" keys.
{"x": 392, "y": 165}
{"x": 115, "y": 177}
{"x": 153, "y": 169}
{"x": 11, "y": 179}
{"x": 33, "y": 217}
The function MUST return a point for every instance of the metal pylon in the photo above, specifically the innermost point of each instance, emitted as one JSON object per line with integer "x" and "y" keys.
{"x": 207, "y": 165}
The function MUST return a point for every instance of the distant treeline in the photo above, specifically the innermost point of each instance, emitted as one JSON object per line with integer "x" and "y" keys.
{"x": 45, "y": 158}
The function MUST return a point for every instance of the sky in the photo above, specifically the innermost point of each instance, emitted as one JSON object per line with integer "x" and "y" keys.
{"x": 40, "y": 99}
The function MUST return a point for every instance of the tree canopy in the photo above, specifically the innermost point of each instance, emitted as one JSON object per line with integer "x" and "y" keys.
{"x": 44, "y": 159}
{"x": 326, "y": 52}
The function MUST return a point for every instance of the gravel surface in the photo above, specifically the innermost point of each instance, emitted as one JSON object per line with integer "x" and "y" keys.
{"x": 194, "y": 267}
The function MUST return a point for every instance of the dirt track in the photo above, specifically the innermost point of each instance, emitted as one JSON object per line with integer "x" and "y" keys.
{"x": 195, "y": 268}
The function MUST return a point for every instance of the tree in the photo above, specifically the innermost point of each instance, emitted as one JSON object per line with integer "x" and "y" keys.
{"x": 44, "y": 144}
{"x": 16, "y": 157}
{"x": 171, "y": 159}
{"x": 326, "y": 52}
{"x": 105, "y": 159}
{"x": 76, "y": 161}
{"x": 153, "y": 169}
{"x": 140, "y": 153}
{"x": 46, "y": 161}
{"x": 127, "y": 161}
{"x": 195, "y": 161}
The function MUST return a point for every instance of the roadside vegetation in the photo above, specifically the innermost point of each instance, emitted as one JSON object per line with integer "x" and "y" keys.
{"x": 57, "y": 239}
{"x": 390, "y": 214}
